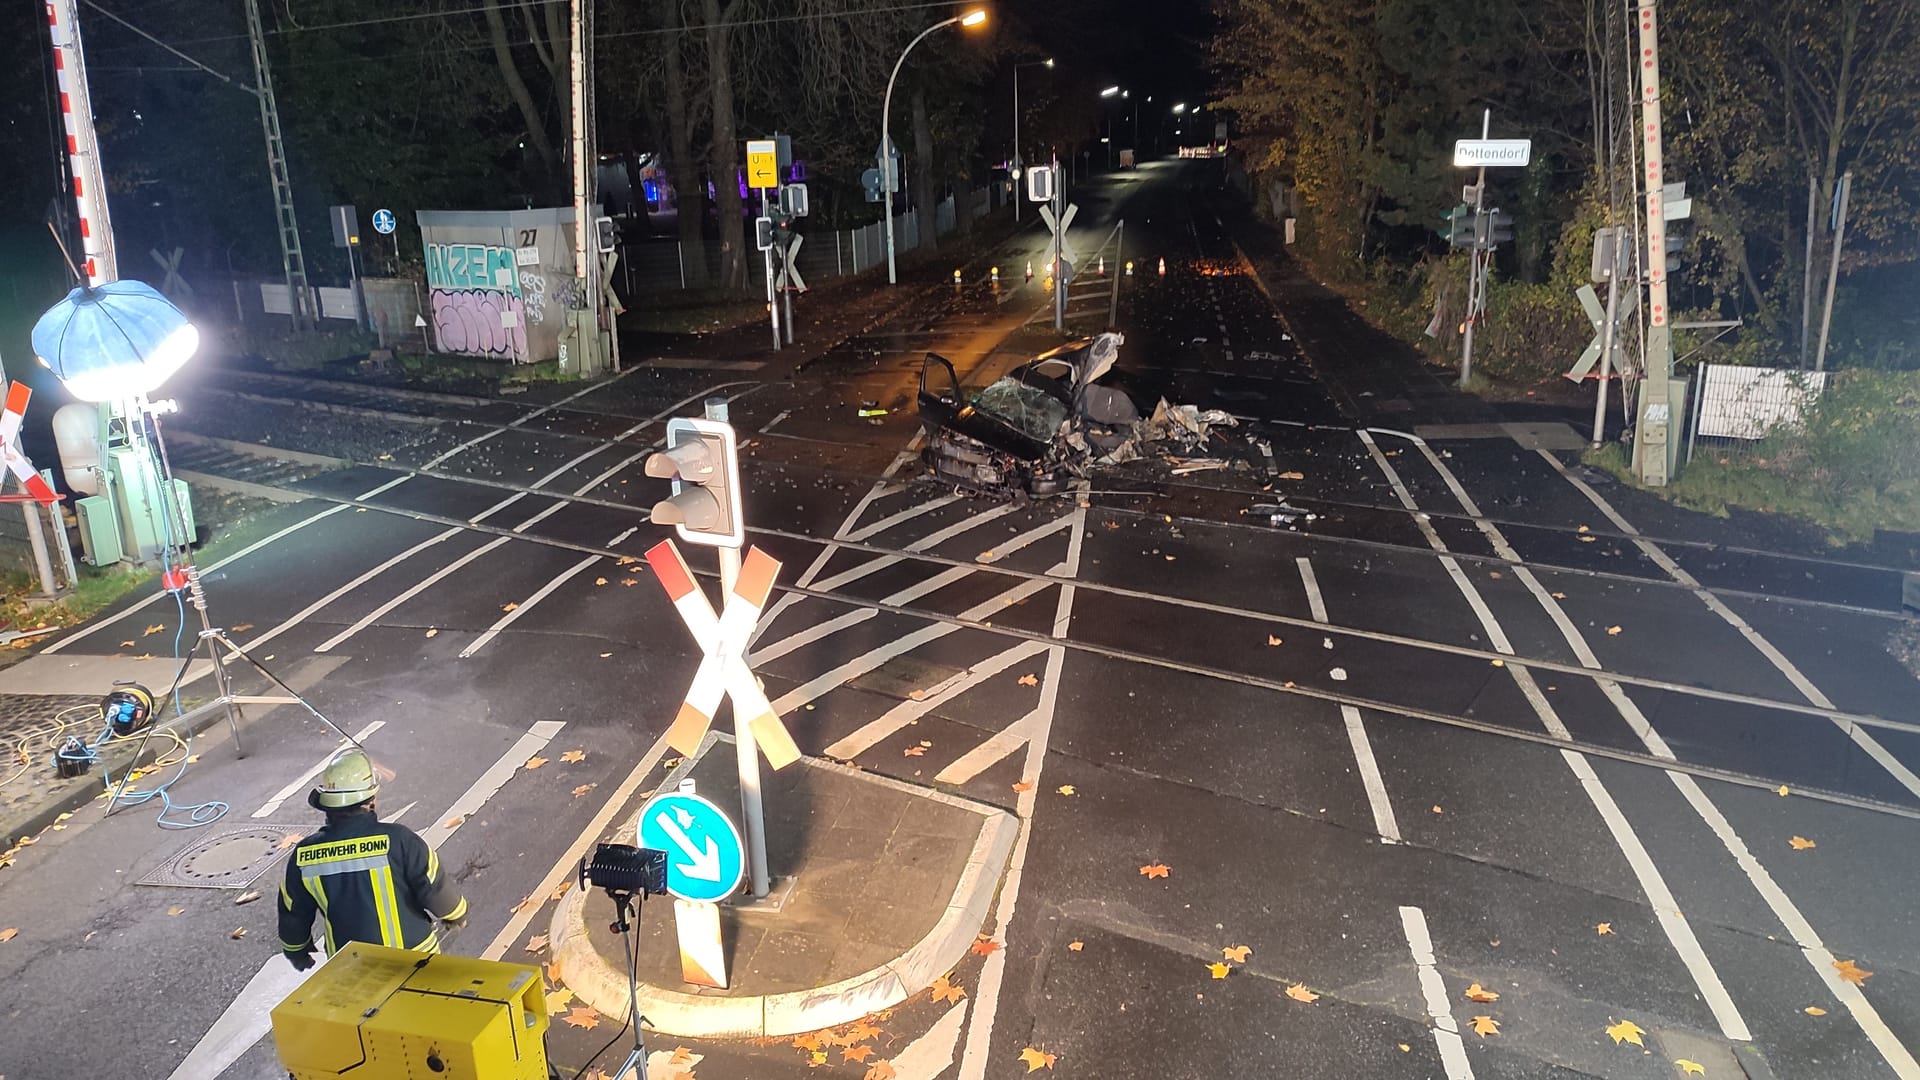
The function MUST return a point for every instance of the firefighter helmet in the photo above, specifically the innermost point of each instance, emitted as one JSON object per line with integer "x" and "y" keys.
{"x": 347, "y": 781}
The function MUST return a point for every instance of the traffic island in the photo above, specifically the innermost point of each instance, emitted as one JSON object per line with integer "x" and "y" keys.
{"x": 879, "y": 888}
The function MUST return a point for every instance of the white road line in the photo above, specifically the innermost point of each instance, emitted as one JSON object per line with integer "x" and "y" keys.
{"x": 1446, "y": 1032}
{"x": 419, "y": 587}
{"x": 767, "y": 429}
{"x": 1383, "y": 819}
{"x": 1316, "y": 604}
{"x": 901, "y": 517}
{"x": 247, "y": 1018}
{"x": 906, "y": 712}
{"x": 1652, "y": 884}
{"x": 932, "y": 1053}
{"x": 542, "y": 593}
{"x": 1860, "y": 736}
{"x": 935, "y": 539}
{"x": 293, "y": 787}
{"x": 989, "y": 753}
{"x": 307, "y": 612}
{"x": 973, "y": 1061}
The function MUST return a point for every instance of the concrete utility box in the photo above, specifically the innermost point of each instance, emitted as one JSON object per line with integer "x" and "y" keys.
{"x": 499, "y": 282}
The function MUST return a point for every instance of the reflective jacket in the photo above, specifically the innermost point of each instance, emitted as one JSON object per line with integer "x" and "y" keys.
{"x": 368, "y": 881}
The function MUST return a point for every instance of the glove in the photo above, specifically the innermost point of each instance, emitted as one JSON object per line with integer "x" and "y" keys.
{"x": 301, "y": 961}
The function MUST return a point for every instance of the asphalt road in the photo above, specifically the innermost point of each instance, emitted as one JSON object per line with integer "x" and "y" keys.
{"x": 1464, "y": 725}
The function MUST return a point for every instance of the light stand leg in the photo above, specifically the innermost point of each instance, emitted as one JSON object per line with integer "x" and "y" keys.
{"x": 213, "y": 640}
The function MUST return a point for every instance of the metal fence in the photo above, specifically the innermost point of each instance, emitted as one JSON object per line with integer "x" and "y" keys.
{"x": 1735, "y": 407}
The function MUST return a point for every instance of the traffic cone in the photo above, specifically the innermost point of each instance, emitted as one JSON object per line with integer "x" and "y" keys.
{"x": 956, "y": 277}
{"x": 1029, "y": 269}
{"x": 1129, "y": 267}
{"x": 996, "y": 275}
{"x": 1163, "y": 266}
{"x": 1103, "y": 266}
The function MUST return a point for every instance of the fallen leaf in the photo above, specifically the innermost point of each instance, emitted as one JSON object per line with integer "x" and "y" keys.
{"x": 913, "y": 751}
{"x": 599, "y": 581}
{"x": 1588, "y": 539}
{"x": 1613, "y": 631}
{"x": 816, "y": 1059}
{"x": 1076, "y": 946}
{"x": 126, "y": 644}
{"x": 1603, "y": 928}
{"x": 241, "y": 628}
{"x": 810, "y": 1041}
{"x": 1299, "y": 992}
{"x": 1583, "y": 528}
{"x": 1437, "y": 810}
{"x": 9, "y": 933}
{"x": 247, "y": 897}
{"x": 629, "y": 582}
{"x": 176, "y": 910}
{"x": 572, "y": 756}
{"x": 152, "y": 630}
{"x": 855, "y": 1053}
{"x": 682, "y": 1058}
{"x": 1406, "y": 1049}
{"x": 1037, "y": 1059}
{"x": 453, "y": 823}
{"x": 1801, "y": 843}
{"x": 985, "y": 556}
{"x": 557, "y": 1000}
{"x": 289, "y": 840}
{"x": 604, "y": 655}
{"x": 1559, "y": 596}
{"x": 879, "y": 1070}
{"x": 861, "y": 1030}
{"x": 1237, "y": 953}
{"x": 1219, "y": 970}
{"x": 582, "y": 1016}
{"x": 1815, "y": 1010}
{"x": 1271, "y": 640}
{"x": 1479, "y": 993}
{"x": 1690, "y": 1068}
{"x": 945, "y": 990}
{"x": 1851, "y": 972}
{"x": 509, "y": 607}
{"x": 561, "y": 890}
{"x": 238, "y": 933}
{"x": 1065, "y": 789}
{"x": 1497, "y": 662}
{"x": 1484, "y": 1026}
{"x": 983, "y": 945}
{"x": 1292, "y": 476}
{"x": 1023, "y": 785}
{"x": 583, "y": 789}
{"x": 535, "y": 762}
{"x": 1029, "y": 679}
{"x": 536, "y": 943}
{"x": 1154, "y": 870}
{"x": 433, "y": 631}
{"x": 1782, "y": 791}
{"x": 1626, "y": 1031}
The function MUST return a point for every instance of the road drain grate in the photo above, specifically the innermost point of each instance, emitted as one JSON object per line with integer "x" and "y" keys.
{"x": 228, "y": 860}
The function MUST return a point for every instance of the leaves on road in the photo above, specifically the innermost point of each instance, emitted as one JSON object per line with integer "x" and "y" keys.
{"x": 176, "y": 910}
{"x": 509, "y": 607}
{"x": 1023, "y": 785}
{"x": 1271, "y": 640}
{"x": 1218, "y": 969}
{"x": 1437, "y": 810}
{"x": 238, "y": 933}
{"x": 880, "y": 1070}
{"x": 1237, "y": 953}
{"x": 914, "y": 751}
{"x": 1029, "y": 679}
{"x": 1076, "y": 946}
{"x": 858, "y": 1054}
{"x": 1065, "y": 789}
{"x": 1155, "y": 870}
{"x": 1299, "y": 992}
{"x": 1626, "y": 1031}
{"x": 9, "y": 933}
{"x": 1479, "y": 993}
{"x": 241, "y": 628}
{"x": 629, "y": 582}
{"x": 1815, "y": 1010}
{"x": 247, "y": 897}
{"x": 1603, "y": 928}
{"x": 536, "y": 943}
{"x": 289, "y": 840}
{"x": 433, "y": 631}
{"x": 1484, "y": 1026}
{"x": 599, "y": 581}
{"x": 572, "y": 756}
{"x": 1690, "y": 1068}
{"x": 1801, "y": 843}
{"x": 1782, "y": 791}
{"x": 1613, "y": 631}
{"x": 535, "y": 762}
{"x": 152, "y": 630}
{"x": 557, "y": 1001}
{"x": 812, "y": 1040}
{"x": 582, "y": 1016}
{"x": 983, "y": 945}
{"x": 583, "y": 789}
{"x": 126, "y": 644}
{"x": 1851, "y": 972}
{"x": 453, "y": 823}
{"x": 1037, "y": 1059}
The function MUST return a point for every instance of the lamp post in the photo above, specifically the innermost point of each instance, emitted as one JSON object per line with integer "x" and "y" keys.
{"x": 972, "y": 18}
{"x": 1047, "y": 63}
{"x": 1107, "y": 93}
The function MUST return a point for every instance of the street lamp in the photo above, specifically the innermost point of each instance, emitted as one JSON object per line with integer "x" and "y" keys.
{"x": 1047, "y": 63}
{"x": 1107, "y": 93}
{"x": 1179, "y": 108}
{"x": 1110, "y": 91}
{"x": 976, "y": 17}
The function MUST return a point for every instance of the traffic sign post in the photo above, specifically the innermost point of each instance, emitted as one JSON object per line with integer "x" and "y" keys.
{"x": 383, "y": 222}
{"x": 1057, "y": 221}
{"x": 1481, "y": 153}
{"x": 705, "y": 862}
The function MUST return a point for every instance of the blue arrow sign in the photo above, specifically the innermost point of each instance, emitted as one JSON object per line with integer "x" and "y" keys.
{"x": 705, "y": 857}
{"x": 383, "y": 222}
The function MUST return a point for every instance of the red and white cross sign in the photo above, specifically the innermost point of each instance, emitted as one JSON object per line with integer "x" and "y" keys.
{"x": 18, "y": 394}
{"x": 724, "y": 639}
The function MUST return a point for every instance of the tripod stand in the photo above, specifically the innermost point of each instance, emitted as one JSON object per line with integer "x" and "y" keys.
{"x": 636, "y": 1063}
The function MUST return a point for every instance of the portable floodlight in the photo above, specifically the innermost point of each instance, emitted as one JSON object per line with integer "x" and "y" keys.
{"x": 114, "y": 342}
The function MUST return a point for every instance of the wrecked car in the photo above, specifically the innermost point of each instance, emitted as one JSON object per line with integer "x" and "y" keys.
{"x": 1049, "y": 421}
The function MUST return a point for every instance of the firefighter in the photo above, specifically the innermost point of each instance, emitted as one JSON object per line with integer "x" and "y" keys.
{"x": 367, "y": 880}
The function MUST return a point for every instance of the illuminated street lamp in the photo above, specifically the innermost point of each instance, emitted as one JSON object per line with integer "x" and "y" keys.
{"x": 976, "y": 17}
{"x": 1179, "y": 108}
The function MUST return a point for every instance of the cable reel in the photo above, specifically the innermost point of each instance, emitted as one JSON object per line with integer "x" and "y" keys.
{"x": 128, "y": 709}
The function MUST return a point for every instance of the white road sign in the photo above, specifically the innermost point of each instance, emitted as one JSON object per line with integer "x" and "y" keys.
{"x": 1491, "y": 153}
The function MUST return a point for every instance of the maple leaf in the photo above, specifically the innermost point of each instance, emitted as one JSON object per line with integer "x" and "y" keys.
{"x": 572, "y": 756}
{"x": 1690, "y": 1068}
{"x": 1218, "y": 969}
{"x": 629, "y": 582}
{"x": 1299, "y": 992}
{"x": 862, "y": 1030}
{"x": 1237, "y": 953}
{"x": 810, "y": 1041}
{"x": 152, "y": 630}
{"x": 1801, "y": 843}
{"x": 816, "y": 1059}
{"x": 1153, "y": 870}
{"x": 509, "y": 607}
{"x": 289, "y": 840}
{"x": 535, "y": 762}
{"x": 1626, "y": 1031}
{"x": 1023, "y": 785}
{"x": 1029, "y": 679}
{"x": 583, "y": 789}
{"x": 1603, "y": 928}
{"x": 913, "y": 751}
{"x": 945, "y": 990}
{"x": 682, "y": 1058}
{"x": 1613, "y": 631}
{"x": 433, "y": 631}
{"x": 880, "y": 1070}
{"x": 1782, "y": 791}
{"x": 557, "y": 1001}
{"x": 855, "y": 1053}
{"x": 561, "y": 890}
{"x": 1815, "y": 1010}
{"x": 1484, "y": 1026}
{"x": 583, "y": 1016}
{"x": 176, "y": 910}
{"x": 1479, "y": 993}
{"x": 9, "y": 933}
{"x": 1437, "y": 810}
{"x": 983, "y": 945}
{"x": 1037, "y": 1059}
{"x": 1854, "y": 974}
{"x": 1065, "y": 789}
{"x": 1076, "y": 946}
{"x": 536, "y": 943}
{"x": 1271, "y": 640}
{"x": 599, "y": 581}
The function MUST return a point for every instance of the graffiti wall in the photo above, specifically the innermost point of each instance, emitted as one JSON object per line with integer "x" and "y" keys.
{"x": 499, "y": 282}
{"x": 475, "y": 293}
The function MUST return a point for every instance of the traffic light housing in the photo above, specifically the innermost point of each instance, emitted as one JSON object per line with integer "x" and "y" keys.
{"x": 1040, "y": 182}
{"x": 1678, "y": 233}
{"x": 701, "y": 461}
{"x": 606, "y": 236}
{"x": 793, "y": 200}
{"x": 870, "y": 183}
{"x": 762, "y": 233}
{"x": 1497, "y": 228}
{"x": 1460, "y": 226}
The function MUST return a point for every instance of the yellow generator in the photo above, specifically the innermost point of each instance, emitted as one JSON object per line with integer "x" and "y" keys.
{"x": 375, "y": 1013}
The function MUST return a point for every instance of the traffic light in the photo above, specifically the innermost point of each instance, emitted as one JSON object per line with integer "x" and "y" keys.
{"x": 1040, "y": 184}
{"x": 1678, "y": 234}
{"x": 793, "y": 200}
{"x": 1496, "y": 228}
{"x": 1460, "y": 226}
{"x": 870, "y": 183}
{"x": 762, "y": 233}
{"x": 605, "y": 234}
{"x": 700, "y": 460}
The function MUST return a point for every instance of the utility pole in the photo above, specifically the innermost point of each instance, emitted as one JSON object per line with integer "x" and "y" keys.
{"x": 585, "y": 261}
{"x": 1833, "y": 268}
{"x": 291, "y": 257}
{"x": 1806, "y": 284}
{"x": 1473, "y": 260}
{"x": 1653, "y": 428}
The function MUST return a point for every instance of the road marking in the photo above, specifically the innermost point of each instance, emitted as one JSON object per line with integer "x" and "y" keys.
{"x": 973, "y": 1061}
{"x": 932, "y": 1053}
{"x": 767, "y": 429}
{"x": 989, "y": 753}
{"x": 906, "y": 712}
{"x": 541, "y": 594}
{"x": 901, "y": 517}
{"x": 1316, "y": 604}
{"x": 419, "y": 587}
{"x": 1383, "y": 820}
{"x": 1860, "y": 736}
{"x": 1446, "y": 1032}
{"x": 247, "y": 1019}
{"x": 293, "y": 787}
{"x": 1652, "y": 884}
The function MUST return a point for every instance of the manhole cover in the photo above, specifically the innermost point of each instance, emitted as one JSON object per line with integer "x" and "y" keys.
{"x": 228, "y": 860}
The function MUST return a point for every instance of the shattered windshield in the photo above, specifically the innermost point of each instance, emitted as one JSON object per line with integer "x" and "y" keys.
{"x": 1034, "y": 412}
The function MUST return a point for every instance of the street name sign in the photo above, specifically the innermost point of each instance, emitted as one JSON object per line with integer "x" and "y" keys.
{"x": 1491, "y": 153}
{"x": 706, "y": 858}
